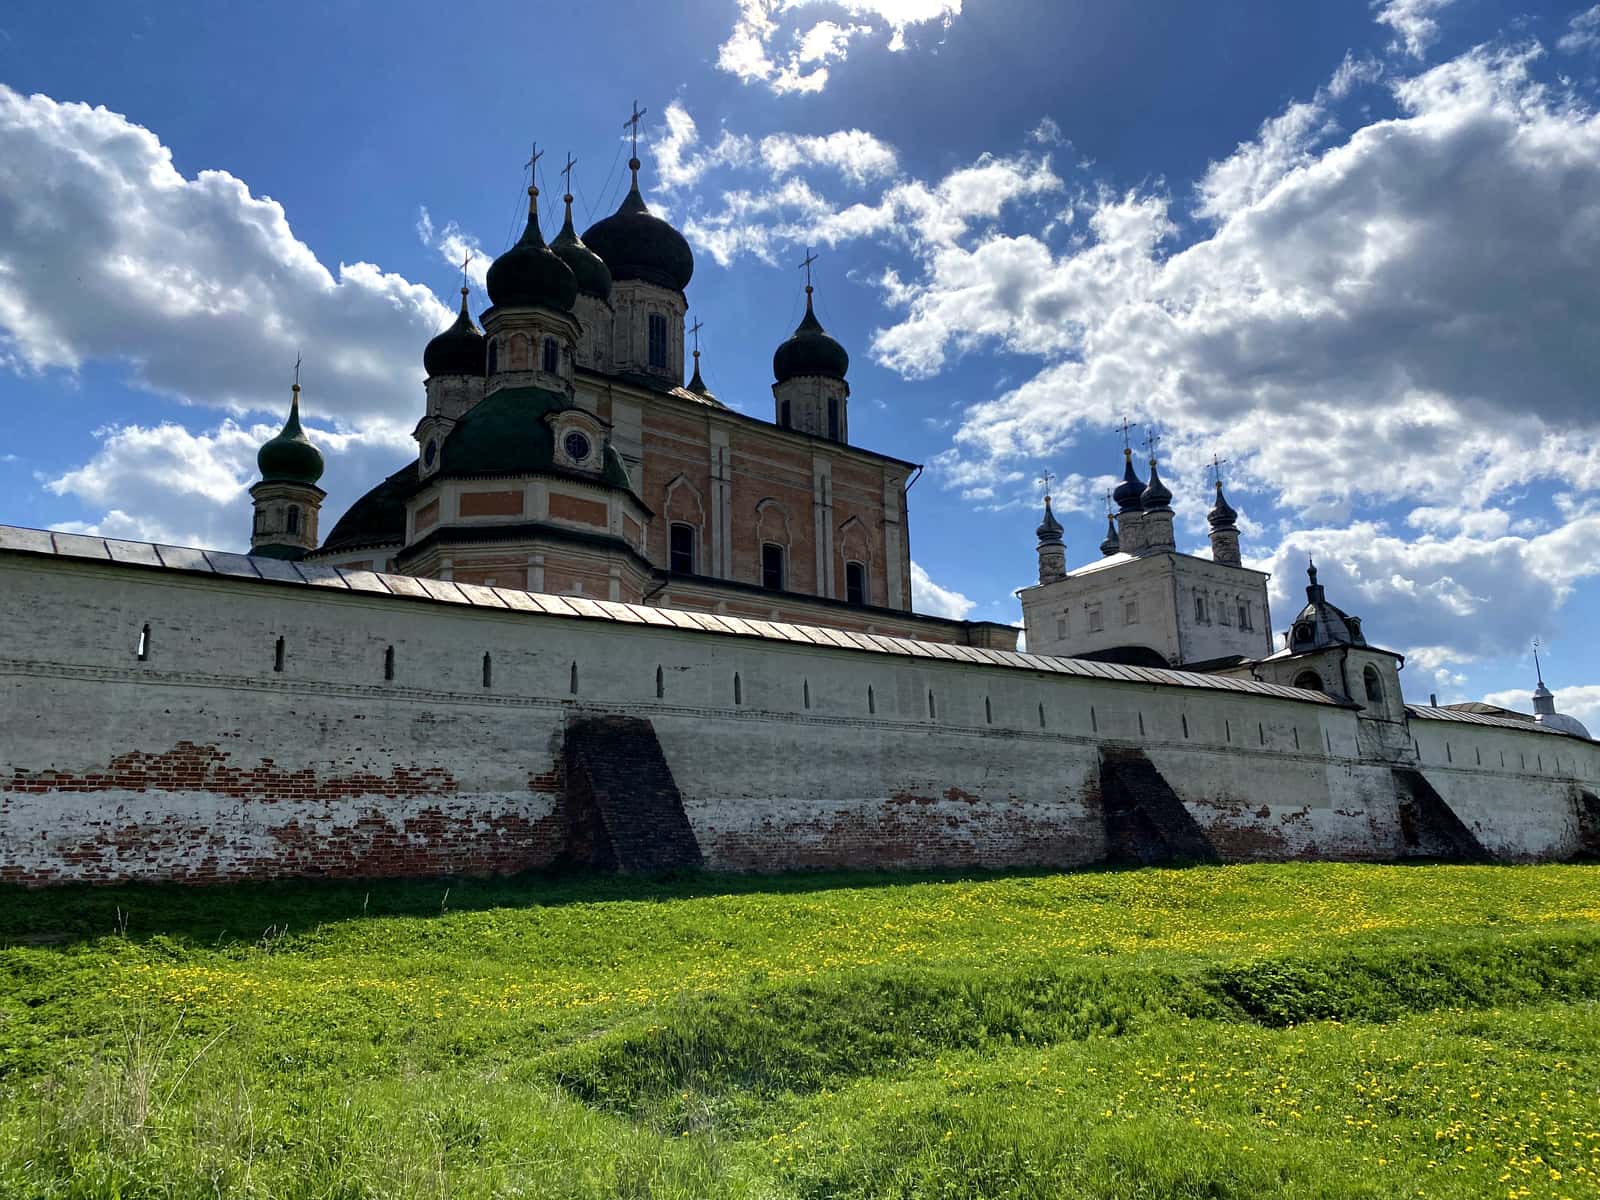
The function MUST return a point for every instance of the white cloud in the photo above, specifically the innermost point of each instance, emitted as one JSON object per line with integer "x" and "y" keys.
{"x": 199, "y": 288}
{"x": 928, "y": 597}
{"x": 855, "y": 154}
{"x": 1581, "y": 701}
{"x": 1412, "y": 20}
{"x": 775, "y": 43}
{"x": 1583, "y": 32}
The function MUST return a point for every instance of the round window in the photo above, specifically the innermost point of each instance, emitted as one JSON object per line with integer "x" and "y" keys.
{"x": 577, "y": 446}
{"x": 429, "y": 453}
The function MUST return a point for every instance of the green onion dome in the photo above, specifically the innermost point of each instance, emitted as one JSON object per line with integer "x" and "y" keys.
{"x": 290, "y": 457}
{"x": 530, "y": 274}
{"x": 1130, "y": 492}
{"x": 588, "y": 268}
{"x": 636, "y": 244}
{"x": 810, "y": 351}
{"x": 459, "y": 350}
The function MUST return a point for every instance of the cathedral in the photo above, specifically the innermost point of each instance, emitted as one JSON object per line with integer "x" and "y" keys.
{"x": 559, "y": 450}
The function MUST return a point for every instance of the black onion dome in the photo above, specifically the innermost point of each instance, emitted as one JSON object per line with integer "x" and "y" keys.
{"x": 810, "y": 351}
{"x": 1221, "y": 513}
{"x": 1112, "y": 542}
{"x": 530, "y": 274}
{"x": 636, "y": 244}
{"x": 1130, "y": 492}
{"x": 1049, "y": 529}
{"x": 1157, "y": 495}
{"x": 459, "y": 350}
{"x": 290, "y": 457}
{"x": 587, "y": 267}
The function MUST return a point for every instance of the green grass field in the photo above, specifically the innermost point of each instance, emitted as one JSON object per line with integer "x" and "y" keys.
{"x": 1301, "y": 1031}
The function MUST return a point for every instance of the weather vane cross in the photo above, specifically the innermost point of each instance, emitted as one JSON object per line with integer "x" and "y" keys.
{"x": 633, "y": 124}
{"x": 566, "y": 171}
{"x": 1044, "y": 482}
{"x": 1152, "y": 439}
{"x": 695, "y": 330}
{"x": 1216, "y": 469}
{"x": 1125, "y": 426}
{"x": 805, "y": 266}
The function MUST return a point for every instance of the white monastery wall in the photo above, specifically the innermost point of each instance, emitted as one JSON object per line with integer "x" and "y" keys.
{"x": 205, "y": 761}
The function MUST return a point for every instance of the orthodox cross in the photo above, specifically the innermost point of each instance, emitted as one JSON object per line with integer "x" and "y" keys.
{"x": 1152, "y": 439}
{"x": 1044, "y": 482}
{"x": 805, "y": 266}
{"x": 1125, "y": 426}
{"x": 1216, "y": 469}
{"x": 566, "y": 171}
{"x": 695, "y": 329}
{"x": 633, "y": 123}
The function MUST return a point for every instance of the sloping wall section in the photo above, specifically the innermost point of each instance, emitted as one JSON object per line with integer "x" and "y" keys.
{"x": 172, "y": 715}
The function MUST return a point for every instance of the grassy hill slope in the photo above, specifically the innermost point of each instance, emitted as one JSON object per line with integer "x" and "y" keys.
{"x": 1316, "y": 1030}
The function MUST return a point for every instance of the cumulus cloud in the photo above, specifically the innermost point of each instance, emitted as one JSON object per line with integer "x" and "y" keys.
{"x": 928, "y": 597}
{"x": 197, "y": 286}
{"x": 1582, "y": 701}
{"x": 1413, "y": 20}
{"x": 777, "y": 43}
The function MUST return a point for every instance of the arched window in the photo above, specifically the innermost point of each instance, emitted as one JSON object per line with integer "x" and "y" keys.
{"x": 1373, "y": 684}
{"x": 658, "y": 340}
{"x": 855, "y": 582}
{"x": 1309, "y": 680}
{"x": 552, "y": 357}
{"x": 680, "y": 552}
{"x": 292, "y": 519}
{"x": 772, "y": 565}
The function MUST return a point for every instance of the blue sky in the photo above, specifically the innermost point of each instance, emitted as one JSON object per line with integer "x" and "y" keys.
{"x": 1352, "y": 248}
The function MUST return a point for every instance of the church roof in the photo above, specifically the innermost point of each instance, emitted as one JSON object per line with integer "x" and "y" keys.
{"x": 507, "y": 434}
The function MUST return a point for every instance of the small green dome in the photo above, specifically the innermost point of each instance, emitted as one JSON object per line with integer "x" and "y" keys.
{"x": 810, "y": 351}
{"x": 530, "y": 274}
{"x": 588, "y": 268}
{"x": 290, "y": 457}
{"x": 459, "y": 350}
{"x": 637, "y": 244}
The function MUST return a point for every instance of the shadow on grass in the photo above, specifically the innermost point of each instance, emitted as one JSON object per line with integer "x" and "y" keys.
{"x": 73, "y": 913}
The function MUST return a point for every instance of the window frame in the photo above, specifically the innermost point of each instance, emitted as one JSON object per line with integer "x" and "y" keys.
{"x": 674, "y": 530}
{"x": 774, "y": 561}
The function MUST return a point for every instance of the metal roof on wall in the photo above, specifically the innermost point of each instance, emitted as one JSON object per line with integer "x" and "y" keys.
{"x": 238, "y": 566}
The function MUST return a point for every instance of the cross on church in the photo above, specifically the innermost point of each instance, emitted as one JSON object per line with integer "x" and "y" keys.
{"x": 695, "y": 329}
{"x": 633, "y": 123}
{"x": 805, "y": 266}
{"x": 1216, "y": 469}
{"x": 566, "y": 171}
{"x": 1125, "y": 427}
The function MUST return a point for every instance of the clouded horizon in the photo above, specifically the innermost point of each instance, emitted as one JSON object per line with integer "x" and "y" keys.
{"x": 1352, "y": 253}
